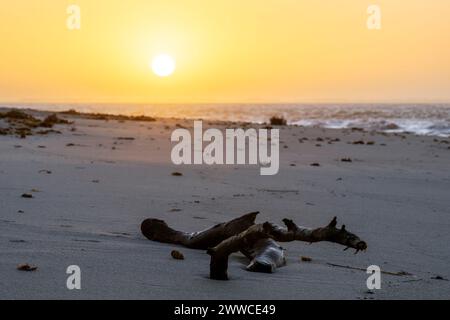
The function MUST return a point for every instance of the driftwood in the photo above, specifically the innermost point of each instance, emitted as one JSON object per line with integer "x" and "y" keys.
{"x": 158, "y": 230}
{"x": 256, "y": 241}
{"x": 329, "y": 233}
{"x": 264, "y": 253}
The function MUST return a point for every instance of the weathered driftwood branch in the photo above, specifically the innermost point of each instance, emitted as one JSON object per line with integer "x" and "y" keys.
{"x": 329, "y": 233}
{"x": 257, "y": 243}
{"x": 264, "y": 253}
{"x": 158, "y": 230}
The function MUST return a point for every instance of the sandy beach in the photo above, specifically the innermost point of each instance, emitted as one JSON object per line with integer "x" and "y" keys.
{"x": 95, "y": 182}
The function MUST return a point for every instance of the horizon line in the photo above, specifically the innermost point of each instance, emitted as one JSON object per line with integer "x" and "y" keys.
{"x": 394, "y": 102}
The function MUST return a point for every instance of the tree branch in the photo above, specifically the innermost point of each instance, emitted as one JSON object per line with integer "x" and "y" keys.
{"x": 329, "y": 233}
{"x": 257, "y": 243}
{"x": 158, "y": 230}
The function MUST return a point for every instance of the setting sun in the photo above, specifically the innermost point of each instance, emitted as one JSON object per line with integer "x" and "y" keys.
{"x": 163, "y": 65}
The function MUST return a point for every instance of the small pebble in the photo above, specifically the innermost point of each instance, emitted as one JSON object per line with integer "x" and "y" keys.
{"x": 177, "y": 255}
{"x": 306, "y": 259}
{"x": 26, "y": 267}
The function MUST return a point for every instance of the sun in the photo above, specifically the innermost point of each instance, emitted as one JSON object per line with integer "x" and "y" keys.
{"x": 163, "y": 65}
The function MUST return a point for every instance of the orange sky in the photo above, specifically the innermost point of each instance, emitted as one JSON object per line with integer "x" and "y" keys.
{"x": 226, "y": 51}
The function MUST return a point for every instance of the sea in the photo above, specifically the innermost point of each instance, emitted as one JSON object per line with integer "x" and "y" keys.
{"x": 421, "y": 119}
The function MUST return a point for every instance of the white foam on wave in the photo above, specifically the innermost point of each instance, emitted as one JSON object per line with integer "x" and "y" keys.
{"x": 420, "y": 127}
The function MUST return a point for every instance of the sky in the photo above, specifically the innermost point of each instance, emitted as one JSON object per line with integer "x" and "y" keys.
{"x": 274, "y": 51}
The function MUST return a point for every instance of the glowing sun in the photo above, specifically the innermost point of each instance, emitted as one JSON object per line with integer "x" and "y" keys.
{"x": 163, "y": 65}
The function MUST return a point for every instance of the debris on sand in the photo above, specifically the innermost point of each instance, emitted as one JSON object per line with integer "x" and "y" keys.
{"x": 315, "y": 164}
{"x": 45, "y": 132}
{"x": 17, "y": 115}
{"x": 51, "y": 120}
{"x": 22, "y": 123}
{"x": 278, "y": 121}
{"x": 126, "y": 138}
{"x": 439, "y": 278}
{"x": 346, "y": 160}
{"x": 45, "y": 171}
{"x": 4, "y": 132}
{"x": 71, "y": 112}
{"x": 142, "y": 118}
{"x": 369, "y": 143}
{"x": 23, "y": 132}
{"x": 106, "y": 117}
{"x": 27, "y": 196}
{"x": 26, "y": 267}
{"x": 177, "y": 255}
{"x": 177, "y": 174}
{"x": 306, "y": 259}
{"x": 390, "y": 126}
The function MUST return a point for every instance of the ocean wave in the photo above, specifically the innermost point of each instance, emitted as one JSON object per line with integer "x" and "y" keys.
{"x": 419, "y": 127}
